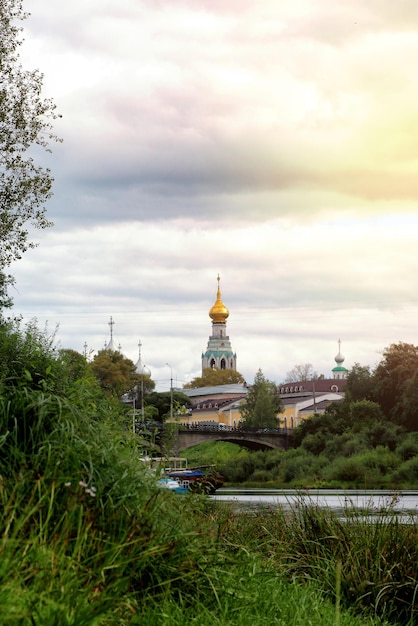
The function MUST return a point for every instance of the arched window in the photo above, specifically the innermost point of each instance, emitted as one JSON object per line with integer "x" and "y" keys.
{"x": 212, "y": 363}
{"x": 223, "y": 364}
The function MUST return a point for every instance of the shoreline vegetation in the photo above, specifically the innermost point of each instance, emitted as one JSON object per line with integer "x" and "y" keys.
{"x": 88, "y": 539}
{"x": 350, "y": 467}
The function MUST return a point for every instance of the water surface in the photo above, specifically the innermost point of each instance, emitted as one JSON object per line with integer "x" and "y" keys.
{"x": 367, "y": 501}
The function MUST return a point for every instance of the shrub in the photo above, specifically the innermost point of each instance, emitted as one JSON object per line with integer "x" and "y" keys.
{"x": 346, "y": 470}
{"x": 406, "y": 472}
{"x": 408, "y": 447}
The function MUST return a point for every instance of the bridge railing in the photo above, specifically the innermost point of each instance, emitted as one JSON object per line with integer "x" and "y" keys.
{"x": 217, "y": 428}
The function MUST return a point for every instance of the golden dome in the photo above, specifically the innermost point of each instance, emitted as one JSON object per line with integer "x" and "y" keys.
{"x": 218, "y": 312}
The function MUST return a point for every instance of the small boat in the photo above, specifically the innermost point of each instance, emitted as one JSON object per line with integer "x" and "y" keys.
{"x": 203, "y": 478}
{"x": 172, "y": 484}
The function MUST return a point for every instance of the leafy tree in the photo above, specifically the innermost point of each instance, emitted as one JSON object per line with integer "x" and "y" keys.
{"x": 25, "y": 123}
{"x": 262, "y": 403}
{"x": 395, "y": 384}
{"x": 117, "y": 374}
{"x": 75, "y": 363}
{"x": 363, "y": 413}
{"x": 215, "y": 376}
{"x": 162, "y": 402}
{"x": 359, "y": 385}
{"x": 332, "y": 421}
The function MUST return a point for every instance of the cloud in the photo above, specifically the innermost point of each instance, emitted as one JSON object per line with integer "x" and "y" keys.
{"x": 271, "y": 142}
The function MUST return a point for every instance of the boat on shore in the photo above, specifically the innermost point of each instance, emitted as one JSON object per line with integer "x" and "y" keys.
{"x": 171, "y": 484}
{"x": 202, "y": 478}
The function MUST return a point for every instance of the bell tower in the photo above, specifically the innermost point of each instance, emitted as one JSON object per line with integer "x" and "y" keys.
{"x": 339, "y": 371}
{"x": 219, "y": 351}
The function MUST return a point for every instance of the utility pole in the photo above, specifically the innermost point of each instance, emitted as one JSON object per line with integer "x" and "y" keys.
{"x": 148, "y": 374}
{"x": 171, "y": 391}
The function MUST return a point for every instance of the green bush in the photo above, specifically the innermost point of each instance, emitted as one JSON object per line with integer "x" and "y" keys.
{"x": 407, "y": 472}
{"x": 408, "y": 447}
{"x": 347, "y": 471}
{"x": 346, "y": 444}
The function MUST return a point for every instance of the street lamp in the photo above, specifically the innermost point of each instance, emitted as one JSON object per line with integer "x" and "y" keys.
{"x": 148, "y": 374}
{"x": 135, "y": 391}
{"x": 171, "y": 391}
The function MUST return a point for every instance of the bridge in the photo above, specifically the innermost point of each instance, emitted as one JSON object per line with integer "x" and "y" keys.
{"x": 252, "y": 439}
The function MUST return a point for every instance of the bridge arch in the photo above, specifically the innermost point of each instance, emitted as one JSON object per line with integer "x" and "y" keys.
{"x": 250, "y": 440}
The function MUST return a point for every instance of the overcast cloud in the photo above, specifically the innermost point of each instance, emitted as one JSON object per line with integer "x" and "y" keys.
{"x": 272, "y": 142}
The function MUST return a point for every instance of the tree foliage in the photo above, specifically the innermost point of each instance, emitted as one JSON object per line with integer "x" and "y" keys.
{"x": 117, "y": 375}
{"x": 162, "y": 402}
{"x": 25, "y": 128}
{"x": 359, "y": 385}
{"x": 212, "y": 377}
{"x": 395, "y": 381}
{"x": 262, "y": 403}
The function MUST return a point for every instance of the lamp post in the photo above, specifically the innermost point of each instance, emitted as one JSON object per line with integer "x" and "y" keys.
{"x": 148, "y": 374}
{"x": 171, "y": 391}
{"x": 135, "y": 390}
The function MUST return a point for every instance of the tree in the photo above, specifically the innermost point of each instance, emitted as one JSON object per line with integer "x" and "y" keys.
{"x": 25, "y": 123}
{"x": 359, "y": 385}
{"x": 363, "y": 413}
{"x": 215, "y": 376}
{"x": 300, "y": 372}
{"x": 117, "y": 374}
{"x": 262, "y": 403}
{"x": 162, "y": 402}
{"x": 395, "y": 384}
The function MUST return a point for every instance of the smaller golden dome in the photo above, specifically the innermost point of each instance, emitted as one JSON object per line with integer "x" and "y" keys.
{"x": 218, "y": 312}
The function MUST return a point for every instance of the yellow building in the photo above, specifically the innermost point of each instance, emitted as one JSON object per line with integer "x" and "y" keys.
{"x": 303, "y": 399}
{"x": 215, "y": 405}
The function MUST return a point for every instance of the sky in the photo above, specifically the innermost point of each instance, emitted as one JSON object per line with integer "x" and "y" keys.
{"x": 272, "y": 142}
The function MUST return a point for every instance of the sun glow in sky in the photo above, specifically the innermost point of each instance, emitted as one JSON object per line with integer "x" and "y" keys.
{"x": 272, "y": 142}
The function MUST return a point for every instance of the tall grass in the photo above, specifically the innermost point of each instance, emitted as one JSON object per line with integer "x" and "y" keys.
{"x": 88, "y": 539}
{"x": 367, "y": 561}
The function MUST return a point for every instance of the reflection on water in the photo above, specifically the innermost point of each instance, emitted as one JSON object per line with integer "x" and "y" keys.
{"x": 247, "y": 500}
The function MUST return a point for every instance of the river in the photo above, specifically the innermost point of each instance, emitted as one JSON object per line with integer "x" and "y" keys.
{"x": 404, "y": 503}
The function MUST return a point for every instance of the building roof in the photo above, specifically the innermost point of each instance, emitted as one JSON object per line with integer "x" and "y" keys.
{"x": 321, "y": 385}
{"x": 235, "y": 389}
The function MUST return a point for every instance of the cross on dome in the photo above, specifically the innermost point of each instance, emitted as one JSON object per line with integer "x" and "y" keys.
{"x": 219, "y": 313}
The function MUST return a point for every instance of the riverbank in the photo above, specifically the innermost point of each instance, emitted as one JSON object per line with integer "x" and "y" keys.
{"x": 164, "y": 559}
{"x": 367, "y": 568}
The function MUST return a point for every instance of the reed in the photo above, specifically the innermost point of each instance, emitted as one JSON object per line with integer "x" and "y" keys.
{"x": 366, "y": 561}
{"x": 87, "y": 538}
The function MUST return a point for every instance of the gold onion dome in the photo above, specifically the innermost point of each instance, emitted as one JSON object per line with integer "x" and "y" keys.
{"x": 218, "y": 312}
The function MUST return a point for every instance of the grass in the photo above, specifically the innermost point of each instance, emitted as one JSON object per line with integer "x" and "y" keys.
{"x": 367, "y": 566}
{"x": 69, "y": 559}
{"x": 87, "y": 538}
